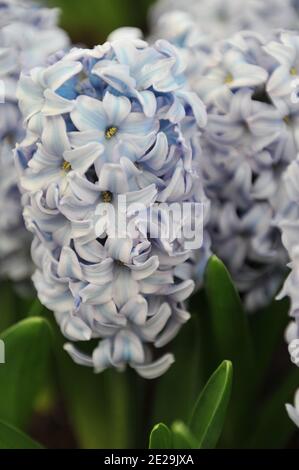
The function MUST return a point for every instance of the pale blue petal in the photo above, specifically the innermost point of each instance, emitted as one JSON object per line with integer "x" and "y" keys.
{"x": 89, "y": 114}
{"x": 119, "y": 249}
{"x": 77, "y": 356}
{"x": 82, "y": 158}
{"x": 69, "y": 266}
{"x": 127, "y": 348}
{"x": 113, "y": 178}
{"x": 146, "y": 269}
{"x": 57, "y": 74}
{"x": 54, "y": 136}
{"x": 102, "y": 356}
{"x": 135, "y": 310}
{"x": 116, "y": 75}
{"x": 117, "y": 108}
{"x": 157, "y": 368}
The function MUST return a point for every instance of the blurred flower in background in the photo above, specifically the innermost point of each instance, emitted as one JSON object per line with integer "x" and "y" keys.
{"x": 247, "y": 73}
{"x": 249, "y": 142}
{"x": 251, "y": 135}
{"x": 28, "y": 35}
{"x": 220, "y": 19}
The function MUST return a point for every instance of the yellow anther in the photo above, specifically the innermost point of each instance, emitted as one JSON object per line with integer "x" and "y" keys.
{"x": 66, "y": 166}
{"x": 106, "y": 196}
{"x": 110, "y": 132}
{"x": 287, "y": 119}
{"x": 293, "y": 71}
{"x": 229, "y": 78}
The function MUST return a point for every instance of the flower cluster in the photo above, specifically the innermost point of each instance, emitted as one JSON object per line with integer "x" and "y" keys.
{"x": 117, "y": 121}
{"x": 219, "y": 19}
{"x": 28, "y": 34}
{"x": 249, "y": 85}
{"x": 250, "y": 140}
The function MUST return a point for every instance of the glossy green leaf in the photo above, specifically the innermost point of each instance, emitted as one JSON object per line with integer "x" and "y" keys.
{"x": 182, "y": 437}
{"x": 36, "y": 308}
{"x": 231, "y": 340}
{"x": 160, "y": 437}
{"x": 27, "y": 346}
{"x": 13, "y": 438}
{"x": 210, "y": 409}
{"x": 229, "y": 322}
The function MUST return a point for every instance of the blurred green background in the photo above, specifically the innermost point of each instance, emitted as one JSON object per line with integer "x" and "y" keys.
{"x": 89, "y": 22}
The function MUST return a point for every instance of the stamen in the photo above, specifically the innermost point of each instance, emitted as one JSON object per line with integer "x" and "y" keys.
{"x": 293, "y": 71}
{"x": 110, "y": 132}
{"x": 106, "y": 196}
{"x": 119, "y": 263}
{"x": 66, "y": 166}
{"x": 287, "y": 119}
{"x": 229, "y": 78}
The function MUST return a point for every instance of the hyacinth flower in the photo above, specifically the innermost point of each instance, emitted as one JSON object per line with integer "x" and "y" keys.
{"x": 219, "y": 19}
{"x": 248, "y": 144}
{"x": 253, "y": 139}
{"x": 112, "y": 131}
{"x": 28, "y": 35}
{"x": 283, "y": 89}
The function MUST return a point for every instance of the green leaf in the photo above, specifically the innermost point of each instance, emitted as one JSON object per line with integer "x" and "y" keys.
{"x": 160, "y": 437}
{"x": 231, "y": 340}
{"x": 229, "y": 321}
{"x": 210, "y": 410}
{"x": 182, "y": 437}
{"x": 36, "y": 308}
{"x": 13, "y": 438}
{"x": 27, "y": 347}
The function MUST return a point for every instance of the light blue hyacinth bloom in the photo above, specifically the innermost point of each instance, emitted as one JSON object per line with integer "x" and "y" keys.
{"x": 115, "y": 121}
{"x": 219, "y": 19}
{"x": 251, "y": 138}
{"x": 28, "y": 35}
{"x": 283, "y": 87}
